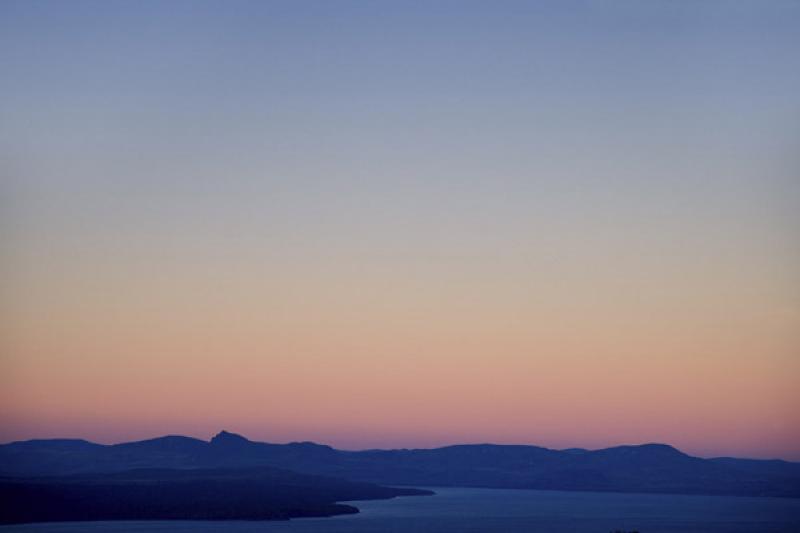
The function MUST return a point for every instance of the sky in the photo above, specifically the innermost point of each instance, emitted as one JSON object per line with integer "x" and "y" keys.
{"x": 402, "y": 224}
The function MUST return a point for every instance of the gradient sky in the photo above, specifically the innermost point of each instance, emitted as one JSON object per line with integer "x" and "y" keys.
{"x": 391, "y": 224}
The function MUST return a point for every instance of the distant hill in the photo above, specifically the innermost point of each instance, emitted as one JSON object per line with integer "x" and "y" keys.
{"x": 642, "y": 468}
{"x": 259, "y": 493}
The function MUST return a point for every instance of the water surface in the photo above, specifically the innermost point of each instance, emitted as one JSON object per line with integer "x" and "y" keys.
{"x": 510, "y": 511}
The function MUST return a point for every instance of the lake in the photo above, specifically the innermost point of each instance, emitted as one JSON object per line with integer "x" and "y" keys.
{"x": 509, "y": 511}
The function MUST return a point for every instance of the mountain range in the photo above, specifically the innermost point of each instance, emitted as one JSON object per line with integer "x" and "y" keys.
{"x": 639, "y": 468}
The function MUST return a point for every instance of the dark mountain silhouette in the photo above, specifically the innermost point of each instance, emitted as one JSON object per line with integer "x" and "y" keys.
{"x": 575, "y": 450}
{"x": 168, "y": 443}
{"x": 642, "y": 468}
{"x": 259, "y": 493}
{"x": 771, "y": 466}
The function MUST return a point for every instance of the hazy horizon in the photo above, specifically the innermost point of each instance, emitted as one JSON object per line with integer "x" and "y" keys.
{"x": 569, "y": 224}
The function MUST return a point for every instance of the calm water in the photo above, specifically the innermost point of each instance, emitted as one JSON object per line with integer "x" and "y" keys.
{"x": 505, "y": 511}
